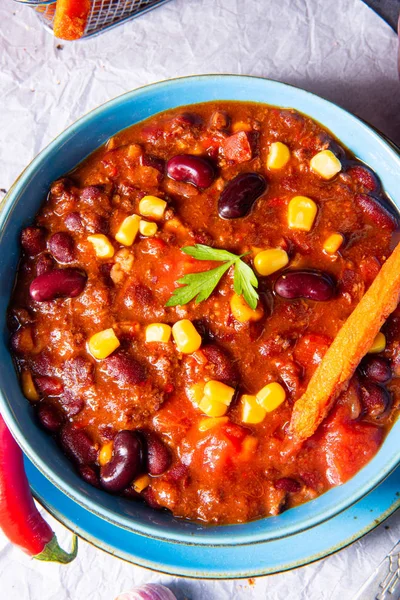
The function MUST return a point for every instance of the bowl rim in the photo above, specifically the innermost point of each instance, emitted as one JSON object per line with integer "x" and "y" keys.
{"x": 111, "y": 515}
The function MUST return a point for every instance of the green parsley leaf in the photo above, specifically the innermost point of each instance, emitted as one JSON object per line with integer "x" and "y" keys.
{"x": 201, "y": 252}
{"x": 244, "y": 282}
{"x": 201, "y": 285}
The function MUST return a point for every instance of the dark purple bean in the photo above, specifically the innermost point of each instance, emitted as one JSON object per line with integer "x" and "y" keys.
{"x": 240, "y": 194}
{"x": 78, "y": 445}
{"x": 49, "y": 386}
{"x": 124, "y": 369}
{"x": 44, "y": 264}
{"x": 73, "y": 222}
{"x": 191, "y": 169}
{"x": 381, "y": 214}
{"x": 61, "y": 245}
{"x": 375, "y": 399}
{"x": 125, "y": 464}
{"x": 224, "y": 369}
{"x": 90, "y": 475}
{"x": 287, "y": 484}
{"x": 59, "y": 283}
{"x": 376, "y": 368}
{"x": 50, "y": 416}
{"x": 158, "y": 459}
{"x": 33, "y": 240}
{"x": 313, "y": 285}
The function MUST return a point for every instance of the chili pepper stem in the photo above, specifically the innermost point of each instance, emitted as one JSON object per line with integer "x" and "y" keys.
{"x": 52, "y": 552}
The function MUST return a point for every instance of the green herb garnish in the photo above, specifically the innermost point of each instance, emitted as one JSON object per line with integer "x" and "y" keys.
{"x": 201, "y": 285}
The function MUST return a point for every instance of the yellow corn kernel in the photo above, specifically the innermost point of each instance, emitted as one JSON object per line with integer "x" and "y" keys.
{"x": 102, "y": 245}
{"x": 301, "y": 213}
{"x": 252, "y": 412}
{"x": 212, "y": 408}
{"x": 271, "y": 396}
{"x": 278, "y": 156}
{"x": 242, "y": 311}
{"x": 240, "y": 126}
{"x": 105, "y": 454}
{"x": 128, "y": 230}
{"x": 186, "y": 336}
{"x": 325, "y": 164}
{"x": 210, "y": 423}
{"x": 103, "y": 343}
{"x": 28, "y": 387}
{"x": 158, "y": 332}
{"x": 196, "y": 392}
{"x": 379, "y": 344}
{"x": 141, "y": 483}
{"x": 333, "y": 243}
{"x": 271, "y": 260}
{"x": 148, "y": 229}
{"x": 218, "y": 391}
{"x": 151, "y": 206}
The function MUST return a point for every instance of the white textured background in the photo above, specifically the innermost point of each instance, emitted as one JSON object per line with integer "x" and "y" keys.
{"x": 337, "y": 48}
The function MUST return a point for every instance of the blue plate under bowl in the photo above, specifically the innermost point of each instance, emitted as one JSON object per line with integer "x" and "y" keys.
{"x": 23, "y": 201}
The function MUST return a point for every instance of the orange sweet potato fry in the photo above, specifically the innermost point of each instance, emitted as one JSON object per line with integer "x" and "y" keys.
{"x": 350, "y": 345}
{"x": 71, "y": 18}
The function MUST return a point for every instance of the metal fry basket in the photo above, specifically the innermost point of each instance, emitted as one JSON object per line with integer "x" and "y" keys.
{"x": 104, "y": 14}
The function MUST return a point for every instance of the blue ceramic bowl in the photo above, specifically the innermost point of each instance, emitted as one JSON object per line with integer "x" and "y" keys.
{"x": 25, "y": 198}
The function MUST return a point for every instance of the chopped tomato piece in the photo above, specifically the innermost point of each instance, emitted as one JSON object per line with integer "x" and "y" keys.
{"x": 311, "y": 348}
{"x": 237, "y": 147}
{"x": 348, "y": 447}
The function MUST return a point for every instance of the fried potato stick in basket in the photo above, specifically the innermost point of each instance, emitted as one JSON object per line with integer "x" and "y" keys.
{"x": 71, "y": 18}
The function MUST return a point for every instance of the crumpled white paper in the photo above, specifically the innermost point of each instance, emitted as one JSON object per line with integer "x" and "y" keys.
{"x": 337, "y": 48}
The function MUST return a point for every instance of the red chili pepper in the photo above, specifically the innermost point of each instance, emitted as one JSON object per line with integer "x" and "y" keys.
{"x": 20, "y": 520}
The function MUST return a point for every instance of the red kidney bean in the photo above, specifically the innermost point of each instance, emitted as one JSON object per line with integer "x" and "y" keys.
{"x": 95, "y": 193}
{"x": 33, "y": 240}
{"x": 73, "y": 222}
{"x": 59, "y": 283}
{"x": 287, "y": 484}
{"x": 49, "y": 386}
{"x": 50, "y": 416}
{"x": 240, "y": 194}
{"x": 61, "y": 245}
{"x": 78, "y": 445}
{"x": 78, "y": 371}
{"x": 374, "y": 208}
{"x": 313, "y": 285}
{"x": 21, "y": 340}
{"x": 191, "y": 169}
{"x": 375, "y": 399}
{"x": 44, "y": 264}
{"x": 150, "y": 498}
{"x": 125, "y": 464}
{"x": 71, "y": 403}
{"x": 376, "y": 368}
{"x": 90, "y": 475}
{"x": 125, "y": 369}
{"x": 147, "y": 160}
{"x": 187, "y": 119}
{"x": 224, "y": 369}
{"x": 157, "y": 455}
{"x": 364, "y": 177}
